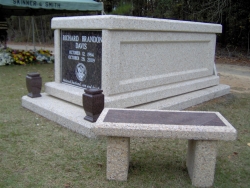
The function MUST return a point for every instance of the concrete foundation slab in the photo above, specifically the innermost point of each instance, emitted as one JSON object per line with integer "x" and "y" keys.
{"x": 61, "y": 112}
{"x": 71, "y": 116}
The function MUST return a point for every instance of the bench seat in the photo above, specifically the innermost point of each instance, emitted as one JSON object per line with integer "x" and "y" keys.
{"x": 202, "y": 129}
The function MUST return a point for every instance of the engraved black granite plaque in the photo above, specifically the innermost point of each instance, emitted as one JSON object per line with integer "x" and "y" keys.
{"x": 81, "y": 58}
{"x": 162, "y": 117}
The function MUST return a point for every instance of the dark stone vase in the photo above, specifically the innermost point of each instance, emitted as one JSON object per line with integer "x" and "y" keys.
{"x": 34, "y": 84}
{"x": 93, "y": 103}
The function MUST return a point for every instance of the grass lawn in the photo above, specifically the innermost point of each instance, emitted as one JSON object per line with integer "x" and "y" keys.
{"x": 35, "y": 152}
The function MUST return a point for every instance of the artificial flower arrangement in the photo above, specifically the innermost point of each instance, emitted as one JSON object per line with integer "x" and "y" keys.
{"x": 44, "y": 56}
{"x": 6, "y": 57}
{"x": 21, "y": 57}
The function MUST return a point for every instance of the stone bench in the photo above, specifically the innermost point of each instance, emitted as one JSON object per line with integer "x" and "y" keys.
{"x": 202, "y": 129}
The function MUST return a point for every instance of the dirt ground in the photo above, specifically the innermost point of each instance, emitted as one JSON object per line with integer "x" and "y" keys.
{"x": 237, "y": 84}
{"x": 234, "y": 71}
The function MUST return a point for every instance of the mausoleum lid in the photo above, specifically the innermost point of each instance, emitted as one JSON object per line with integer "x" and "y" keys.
{"x": 112, "y": 22}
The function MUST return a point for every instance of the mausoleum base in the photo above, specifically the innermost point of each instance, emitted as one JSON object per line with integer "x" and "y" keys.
{"x": 133, "y": 98}
{"x": 71, "y": 116}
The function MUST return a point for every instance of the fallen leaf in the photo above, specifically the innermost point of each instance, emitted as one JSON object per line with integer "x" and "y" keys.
{"x": 67, "y": 185}
{"x": 99, "y": 165}
{"x": 245, "y": 130}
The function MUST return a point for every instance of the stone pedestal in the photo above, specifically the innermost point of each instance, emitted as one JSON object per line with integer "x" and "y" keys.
{"x": 201, "y": 160}
{"x": 118, "y": 150}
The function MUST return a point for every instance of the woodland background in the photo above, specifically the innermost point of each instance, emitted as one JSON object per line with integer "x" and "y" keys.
{"x": 234, "y": 15}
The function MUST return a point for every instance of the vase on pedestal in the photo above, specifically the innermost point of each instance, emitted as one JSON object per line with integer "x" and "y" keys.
{"x": 34, "y": 84}
{"x": 93, "y": 103}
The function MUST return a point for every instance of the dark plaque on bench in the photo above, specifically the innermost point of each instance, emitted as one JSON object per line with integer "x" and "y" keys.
{"x": 81, "y": 58}
{"x": 163, "y": 117}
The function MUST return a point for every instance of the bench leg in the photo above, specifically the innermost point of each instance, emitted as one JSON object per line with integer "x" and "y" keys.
{"x": 201, "y": 159}
{"x": 118, "y": 149}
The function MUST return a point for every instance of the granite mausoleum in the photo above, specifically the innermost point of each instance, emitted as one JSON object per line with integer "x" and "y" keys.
{"x": 137, "y": 62}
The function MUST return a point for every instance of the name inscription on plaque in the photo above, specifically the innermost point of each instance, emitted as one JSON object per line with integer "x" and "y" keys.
{"x": 81, "y": 57}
